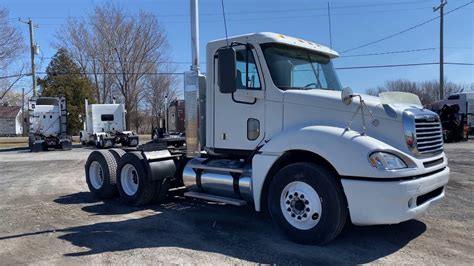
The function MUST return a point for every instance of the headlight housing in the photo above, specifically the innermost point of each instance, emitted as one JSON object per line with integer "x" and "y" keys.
{"x": 386, "y": 161}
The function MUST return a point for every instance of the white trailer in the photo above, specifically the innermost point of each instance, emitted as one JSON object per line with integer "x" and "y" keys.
{"x": 271, "y": 126}
{"x": 48, "y": 124}
{"x": 104, "y": 126}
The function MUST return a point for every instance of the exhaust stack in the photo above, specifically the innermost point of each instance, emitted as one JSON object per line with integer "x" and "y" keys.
{"x": 191, "y": 88}
{"x": 86, "y": 114}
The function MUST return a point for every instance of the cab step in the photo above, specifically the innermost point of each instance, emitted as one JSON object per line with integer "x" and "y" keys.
{"x": 231, "y": 201}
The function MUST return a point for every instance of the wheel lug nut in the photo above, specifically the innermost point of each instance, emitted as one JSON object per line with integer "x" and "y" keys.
{"x": 296, "y": 194}
{"x": 306, "y": 202}
{"x": 305, "y": 215}
{"x": 302, "y": 196}
{"x": 287, "y": 202}
{"x": 293, "y": 215}
{"x": 299, "y": 218}
{"x": 307, "y": 209}
{"x": 289, "y": 209}
{"x": 290, "y": 196}
{"x": 315, "y": 216}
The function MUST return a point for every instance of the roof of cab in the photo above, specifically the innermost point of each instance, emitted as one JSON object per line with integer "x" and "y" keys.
{"x": 271, "y": 37}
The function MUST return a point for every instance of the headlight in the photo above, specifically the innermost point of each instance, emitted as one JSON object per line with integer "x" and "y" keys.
{"x": 386, "y": 161}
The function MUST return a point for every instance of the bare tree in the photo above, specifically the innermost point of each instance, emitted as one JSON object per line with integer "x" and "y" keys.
{"x": 160, "y": 89}
{"x": 118, "y": 52}
{"x": 6, "y": 84}
{"x": 11, "y": 40}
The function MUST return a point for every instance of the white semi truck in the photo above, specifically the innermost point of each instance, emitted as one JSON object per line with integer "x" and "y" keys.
{"x": 104, "y": 126}
{"x": 271, "y": 126}
{"x": 48, "y": 124}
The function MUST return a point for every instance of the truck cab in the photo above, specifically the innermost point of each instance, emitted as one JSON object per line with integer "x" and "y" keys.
{"x": 48, "y": 124}
{"x": 271, "y": 126}
{"x": 286, "y": 108}
{"x": 104, "y": 125}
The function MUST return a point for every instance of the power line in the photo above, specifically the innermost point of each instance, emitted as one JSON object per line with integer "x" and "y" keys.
{"x": 265, "y": 11}
{"x": 460, "y": 64}
{"x": 182, "y": 73}
{"x": 391, "y": 52}
{"x": 263, "y": 18}
{"x": 14, "y": 76}
{"x": 406, "y": 30}
{"x": 403, "y": 65}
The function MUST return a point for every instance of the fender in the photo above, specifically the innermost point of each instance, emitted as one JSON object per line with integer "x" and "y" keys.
{"x": 346, "y": 150}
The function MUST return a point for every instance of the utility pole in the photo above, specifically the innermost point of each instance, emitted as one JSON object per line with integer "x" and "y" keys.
{"x": 23, "y": 124}
{"x": 33, "y": 48}
{"x": 441, "y": 47}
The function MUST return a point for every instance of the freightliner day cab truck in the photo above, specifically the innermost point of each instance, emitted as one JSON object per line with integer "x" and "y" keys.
{"x": 271, "y": 126}
{"x": 48, "y": 124}
{"x": 104, "y": 126}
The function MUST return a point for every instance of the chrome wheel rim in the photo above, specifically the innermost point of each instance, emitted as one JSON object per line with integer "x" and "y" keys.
{"x": 301, "y": 205}
{"x": 129, "y": 179}
{"x": 96, "y": 175}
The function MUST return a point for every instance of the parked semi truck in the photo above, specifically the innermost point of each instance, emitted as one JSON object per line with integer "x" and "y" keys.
{"x": 465, "y": 106}
{"x": 271, "y": 126}
{"x": 104, "y": 126}
{"x": 48, "y": 124}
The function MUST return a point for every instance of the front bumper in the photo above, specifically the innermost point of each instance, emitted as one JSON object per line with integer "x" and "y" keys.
{"x": 390, "y": 202}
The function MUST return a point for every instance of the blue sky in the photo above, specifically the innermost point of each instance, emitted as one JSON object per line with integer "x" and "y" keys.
{"x": 353, "y": 23}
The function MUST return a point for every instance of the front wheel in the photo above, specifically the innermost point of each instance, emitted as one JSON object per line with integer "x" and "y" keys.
{"x": 307, "y": 202}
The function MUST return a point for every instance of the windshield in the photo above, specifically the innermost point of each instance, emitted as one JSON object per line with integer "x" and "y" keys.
{"x": 294, "y": 68}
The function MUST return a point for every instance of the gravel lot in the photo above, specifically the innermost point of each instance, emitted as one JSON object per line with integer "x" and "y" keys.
{"x": 48, "y": 216}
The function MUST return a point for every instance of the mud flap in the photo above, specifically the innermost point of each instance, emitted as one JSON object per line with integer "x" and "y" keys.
{"x": 65, "y": 144}
{"x": 38, "y": 146}
{"x": 160, "y": 164}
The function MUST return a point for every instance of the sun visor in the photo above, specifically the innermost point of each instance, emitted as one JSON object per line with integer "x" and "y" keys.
{"x": 400, "y": 98}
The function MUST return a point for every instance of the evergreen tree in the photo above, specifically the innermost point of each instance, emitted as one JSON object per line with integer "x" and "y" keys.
{"x": 63, "y": 78}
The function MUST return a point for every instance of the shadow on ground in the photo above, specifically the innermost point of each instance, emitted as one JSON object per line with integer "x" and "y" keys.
{"x": 237, "y": 232}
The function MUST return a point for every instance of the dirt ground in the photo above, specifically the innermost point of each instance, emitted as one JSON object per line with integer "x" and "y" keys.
{"x": 47, "y": 216}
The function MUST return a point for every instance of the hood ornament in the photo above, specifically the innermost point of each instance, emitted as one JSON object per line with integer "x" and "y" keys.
{"x": 346, "y": 97}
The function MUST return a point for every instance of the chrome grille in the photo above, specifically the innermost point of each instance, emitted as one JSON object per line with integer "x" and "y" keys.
{"x": 428, "y": 134}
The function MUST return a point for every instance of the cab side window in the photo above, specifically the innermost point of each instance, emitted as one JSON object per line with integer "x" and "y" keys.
{"x": 247, "y": 74}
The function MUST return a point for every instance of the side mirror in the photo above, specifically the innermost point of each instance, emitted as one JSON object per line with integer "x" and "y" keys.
{"x": 346, "y": 95}
{"x": 227, "y": 70}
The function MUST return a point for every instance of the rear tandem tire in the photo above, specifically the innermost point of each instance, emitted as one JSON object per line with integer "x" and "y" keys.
{"x": 307, "y": 202}
{"x": 101, "y": 174}
{"x": 133, "y": 183}
{"x": 117, "y": 153}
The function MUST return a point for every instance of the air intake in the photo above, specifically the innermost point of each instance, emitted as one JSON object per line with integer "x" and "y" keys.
{"x": 191, "y": 85}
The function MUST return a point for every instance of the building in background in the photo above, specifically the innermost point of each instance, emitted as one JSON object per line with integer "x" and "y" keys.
{"x": 11, "y": 121}
{"x": 176, "y": 117}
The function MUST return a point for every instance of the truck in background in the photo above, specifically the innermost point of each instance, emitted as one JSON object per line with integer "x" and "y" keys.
{"x": 104, "y": 126}
{"x": 271, "y": 126}
{"x": 465, "y": 106}
{"x": 48, "y": 124}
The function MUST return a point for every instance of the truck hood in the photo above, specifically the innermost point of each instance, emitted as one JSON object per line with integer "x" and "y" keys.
{"x": 324, "y": 107}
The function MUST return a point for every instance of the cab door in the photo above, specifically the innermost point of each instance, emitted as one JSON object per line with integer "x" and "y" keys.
{"x": 239, "y": 116}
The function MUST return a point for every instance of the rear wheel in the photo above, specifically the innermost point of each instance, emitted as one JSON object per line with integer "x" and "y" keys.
{"x": 307, "y": 202}
{"x": 117, "y": 153}
{"x": 134, "y": 185}
{"x": 101, "y": 174}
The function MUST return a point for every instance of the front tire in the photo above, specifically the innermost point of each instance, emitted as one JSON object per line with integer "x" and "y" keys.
{"x": 307, "y": 202}
{"x": 134, "y": 185}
